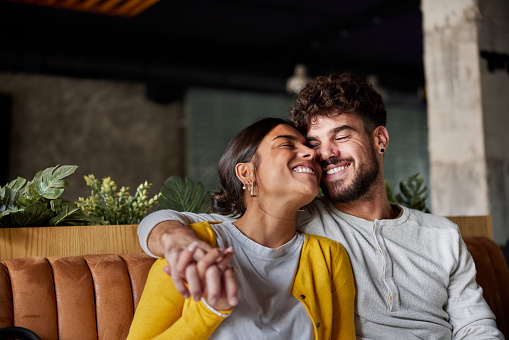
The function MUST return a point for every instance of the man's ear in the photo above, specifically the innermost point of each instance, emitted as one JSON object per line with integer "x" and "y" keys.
{"x": 381, "y": 139}
{"x": 245, "y": 172}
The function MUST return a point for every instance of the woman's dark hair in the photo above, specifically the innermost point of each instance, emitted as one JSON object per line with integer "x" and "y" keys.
{"x": 241, "y": 149}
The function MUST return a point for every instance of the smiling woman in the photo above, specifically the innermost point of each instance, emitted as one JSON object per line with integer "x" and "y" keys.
{"x": 290, "y": 285}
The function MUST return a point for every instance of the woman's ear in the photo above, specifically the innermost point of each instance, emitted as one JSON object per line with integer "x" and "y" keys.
{"x": 244, "y": 172}
{"x": 381, "y": 139}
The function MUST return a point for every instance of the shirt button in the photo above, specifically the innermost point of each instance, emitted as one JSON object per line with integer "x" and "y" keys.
{"x": 317, "y": 325}
{"x": 302, "y": 297}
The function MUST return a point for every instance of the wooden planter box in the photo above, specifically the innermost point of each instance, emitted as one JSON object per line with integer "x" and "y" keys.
{"x": 123, "y": 239}
{"x": 68, "y": 241}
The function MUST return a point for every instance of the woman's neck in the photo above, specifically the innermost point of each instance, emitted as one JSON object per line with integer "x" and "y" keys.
{"x": 268, "y": 227}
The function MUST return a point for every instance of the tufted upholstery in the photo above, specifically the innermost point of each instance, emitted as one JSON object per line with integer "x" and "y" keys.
{"x": 79, "y": 297}
{"x": 492, "y": 276}
{"x": 94, "y": 296}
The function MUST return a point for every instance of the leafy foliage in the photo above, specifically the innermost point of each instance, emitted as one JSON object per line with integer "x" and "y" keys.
{"x": 413, "y": 193}
{"x": 37, "y": 202}
{"x": 183, "y": 195}
{"x": 106, "y": 206}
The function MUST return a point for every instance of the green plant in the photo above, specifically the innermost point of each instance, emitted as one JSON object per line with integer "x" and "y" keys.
{"x": 106, "y": 206}
{"x": 183, "y": 195}
{"x": 37, "y": 202}
{"x": 413, "y": 193}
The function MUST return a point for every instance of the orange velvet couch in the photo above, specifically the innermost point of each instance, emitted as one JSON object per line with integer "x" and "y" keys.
{"x": 95, "y": 296}
{"x": 78, "y": 297}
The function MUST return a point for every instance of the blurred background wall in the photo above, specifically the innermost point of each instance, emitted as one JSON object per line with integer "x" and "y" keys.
{"x": 107, "y": 128}
{"x": 158, "y": 89}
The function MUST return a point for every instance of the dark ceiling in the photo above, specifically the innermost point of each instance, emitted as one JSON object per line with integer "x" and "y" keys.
{"x": 250, "y": 44}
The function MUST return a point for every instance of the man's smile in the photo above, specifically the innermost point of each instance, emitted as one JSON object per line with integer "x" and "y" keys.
{"x": 337, "y": 169}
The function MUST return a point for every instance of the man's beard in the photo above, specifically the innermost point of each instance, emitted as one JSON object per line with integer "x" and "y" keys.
{"x": 367, "y": 175}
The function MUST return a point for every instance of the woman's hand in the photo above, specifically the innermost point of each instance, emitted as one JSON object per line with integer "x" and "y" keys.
{"x": 219, "y": 280}
{"x": 210, "y": 276}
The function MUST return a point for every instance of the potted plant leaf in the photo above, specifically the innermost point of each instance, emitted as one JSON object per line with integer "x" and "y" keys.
{"x": 106, "y": 205}
{"x": 182, "y": 194}
{"x": 38, "y": 203}
{"x": 36, "y": 221}
{"x": 413, "y": 193}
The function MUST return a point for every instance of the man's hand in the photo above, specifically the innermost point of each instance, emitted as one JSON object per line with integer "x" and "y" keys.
{"x": 210, "y": 277}
{"x": 190, "y": 262}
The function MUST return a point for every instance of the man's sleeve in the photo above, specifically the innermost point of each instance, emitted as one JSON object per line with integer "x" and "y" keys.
{"x": 150, "y": 221}
{"x": 469, "y": 314}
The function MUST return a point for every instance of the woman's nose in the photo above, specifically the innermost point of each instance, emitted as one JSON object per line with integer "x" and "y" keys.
{"x": 308, "y": 153}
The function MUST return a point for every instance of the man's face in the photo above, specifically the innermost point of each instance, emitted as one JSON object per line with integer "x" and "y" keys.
{"x": 347, "y": 156}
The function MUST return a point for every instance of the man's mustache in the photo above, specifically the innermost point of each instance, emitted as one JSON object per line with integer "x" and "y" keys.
{"x": 334, "y": 161}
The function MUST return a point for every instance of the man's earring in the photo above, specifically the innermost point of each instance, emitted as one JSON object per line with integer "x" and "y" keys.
{"x": 382, "y": 150}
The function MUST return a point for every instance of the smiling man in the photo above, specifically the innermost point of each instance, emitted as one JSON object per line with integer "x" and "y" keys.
{"x": 414, "y": 277}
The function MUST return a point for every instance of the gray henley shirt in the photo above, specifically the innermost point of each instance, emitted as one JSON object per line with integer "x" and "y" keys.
{"x": 414, "y": 276}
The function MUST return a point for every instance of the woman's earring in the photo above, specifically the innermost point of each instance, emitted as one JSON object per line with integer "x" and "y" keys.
{"x": 243, "y": 186}
{"x": 251, "y": 189}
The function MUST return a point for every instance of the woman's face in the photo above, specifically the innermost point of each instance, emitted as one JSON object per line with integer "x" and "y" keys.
{"x": 286, "y": 165}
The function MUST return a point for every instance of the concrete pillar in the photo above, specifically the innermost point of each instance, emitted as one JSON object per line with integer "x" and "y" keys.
{"x": 468, "y": 108}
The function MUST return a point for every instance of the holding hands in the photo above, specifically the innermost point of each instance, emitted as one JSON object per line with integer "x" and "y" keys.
{"x": 200, "y": 270}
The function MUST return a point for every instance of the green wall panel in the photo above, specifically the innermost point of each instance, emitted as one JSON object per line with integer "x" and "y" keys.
{"x": 215, "y": 116}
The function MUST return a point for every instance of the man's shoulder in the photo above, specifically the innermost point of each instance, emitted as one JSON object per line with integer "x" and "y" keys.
{"x": 427, "y": 220}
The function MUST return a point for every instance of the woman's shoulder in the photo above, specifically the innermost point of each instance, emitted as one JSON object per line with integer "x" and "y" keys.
{"x": 321, "y": 242}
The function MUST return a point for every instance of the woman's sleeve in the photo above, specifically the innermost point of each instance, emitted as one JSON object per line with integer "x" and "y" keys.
{"x": 163, "y": 313}
{"x": 343, "y": 297}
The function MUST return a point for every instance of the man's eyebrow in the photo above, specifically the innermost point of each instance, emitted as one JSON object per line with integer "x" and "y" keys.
{"x": 333, "y": 131}
{"x": 290, "y": 137}
{"x": 341, "y": 128}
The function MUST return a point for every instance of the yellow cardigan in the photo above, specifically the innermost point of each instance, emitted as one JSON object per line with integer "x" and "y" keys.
{"x": 323, "y": 283}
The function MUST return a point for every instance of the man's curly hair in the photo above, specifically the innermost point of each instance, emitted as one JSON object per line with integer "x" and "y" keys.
{"x": 335, "y": 94}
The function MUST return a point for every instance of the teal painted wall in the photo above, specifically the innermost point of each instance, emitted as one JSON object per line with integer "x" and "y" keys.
{"x": 215, "y": 116}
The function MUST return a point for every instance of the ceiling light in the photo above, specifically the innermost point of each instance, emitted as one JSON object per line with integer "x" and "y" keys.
{"x": 298, "y": 80}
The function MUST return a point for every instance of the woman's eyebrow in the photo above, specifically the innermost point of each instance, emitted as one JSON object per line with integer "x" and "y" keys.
{"x": 290, "y": 137}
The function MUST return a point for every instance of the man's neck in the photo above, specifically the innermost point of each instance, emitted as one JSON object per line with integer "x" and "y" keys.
{"x": 374, "y": 209}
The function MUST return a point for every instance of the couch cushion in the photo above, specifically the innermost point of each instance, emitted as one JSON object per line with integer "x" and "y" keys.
{"x": 492, "y": 276}
{"x": 79, "y": 297}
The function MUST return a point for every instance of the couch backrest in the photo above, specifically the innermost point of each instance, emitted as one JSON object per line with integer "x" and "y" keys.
{"x": 79, "y": 297}
{"x": 492, "y": 276}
